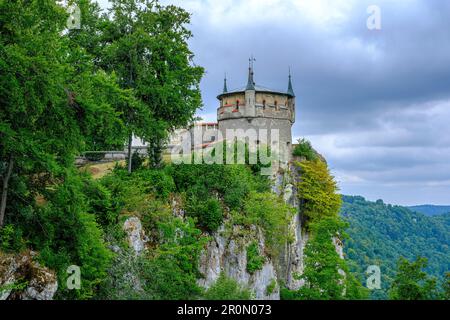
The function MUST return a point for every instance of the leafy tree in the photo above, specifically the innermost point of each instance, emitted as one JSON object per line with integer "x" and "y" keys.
{"x": 317, "y": 191}
{"x": 145, "y": 44}
{"x": 227, "y": 289}
{"x": 69, "y": 105}
{"x": 324, "y": 273}
{"x": 412, "y": 283}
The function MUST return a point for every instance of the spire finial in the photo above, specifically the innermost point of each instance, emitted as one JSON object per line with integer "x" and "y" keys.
{"x": 290, "y": 90}
{"x": 251, "y": 82}
{"x": 225, "y": 89}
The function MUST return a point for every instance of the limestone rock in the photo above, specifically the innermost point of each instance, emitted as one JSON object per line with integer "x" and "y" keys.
{"x": 39, "y": 282}
{"x": 228, "y": 254}
{"x": 135, "y": 234}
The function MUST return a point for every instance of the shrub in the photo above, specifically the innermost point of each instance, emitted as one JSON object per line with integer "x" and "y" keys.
{"x": 271, "y": 287}
{"x": 305, "y": 150}
{"x": 11, "y": 238}
{"x": 227, "y": 289}
{"x": 272, "y": 214}
{"x": 255, "y": 261}
{"x": 238, "y": 182}
{"x": 100, "y": 202}
{"x": 208, "y": 213}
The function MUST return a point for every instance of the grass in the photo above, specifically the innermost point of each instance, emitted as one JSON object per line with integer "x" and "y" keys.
{"x": 99, "y": 170}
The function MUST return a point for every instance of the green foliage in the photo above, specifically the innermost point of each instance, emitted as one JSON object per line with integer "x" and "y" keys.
{"x": 170, "y": 98}
{"x": 446, "y": 286}
{"x": 430, "y": 210}
{"x": 203, "y": 184}
{"x": 167, "y": 280}
{"x": 100, "y": 202}
{"x": 71, "y": 236}
{"x": 172, "y": 273}
{"x": 317, "y": 191}
{"x": 227, "y": 289}
{"x": 412, "y": 283}
{"x": 326, "y": 275}
{"x": 89, "y": 89}
{"x": 255, "y": 261}
{"x": 271, "y": 287}
{"x": 379, "y": 234}
{"x": 322, "y": 275}
{"x": 18, "y": 285}
{"x": 11, "y": 239}
{"x": 305, "y": 150}
{"x": 136, "y": 161}
{"x": 272, "y": 214}
{"x": 207, "y": 212}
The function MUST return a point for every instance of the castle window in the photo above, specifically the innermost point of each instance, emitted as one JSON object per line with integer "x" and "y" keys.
{"x": 237, "y": 104}
{"x": 276, "y": 105}
{"x": 264, "y": 104}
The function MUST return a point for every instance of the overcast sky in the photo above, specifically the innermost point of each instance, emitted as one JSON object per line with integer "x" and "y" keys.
{"x": 375, "y": 103}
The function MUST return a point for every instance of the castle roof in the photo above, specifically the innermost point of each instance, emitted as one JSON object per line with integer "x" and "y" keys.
{"x": 251, "y": 85}
{"x": 257, "y": 88}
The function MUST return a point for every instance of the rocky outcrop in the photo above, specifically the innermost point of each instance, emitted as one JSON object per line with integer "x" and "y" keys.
{"x": 135, "y": 234}
{"x": 23, "y": 278}
{"x": 227, "y": 253}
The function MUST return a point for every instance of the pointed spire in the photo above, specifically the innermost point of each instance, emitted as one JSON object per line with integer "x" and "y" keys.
{"x": 225, "y": 89}
{"x": 250, "y": 82}
{"x": 290, "y": 90}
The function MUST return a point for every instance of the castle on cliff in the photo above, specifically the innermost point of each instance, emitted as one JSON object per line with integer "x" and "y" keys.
{"x": 257, "y": 107}
{"x": 252, "y": 112}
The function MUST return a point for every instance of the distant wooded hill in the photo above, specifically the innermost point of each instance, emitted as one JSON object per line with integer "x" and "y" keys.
{"x": 430, "y": 210}
{"x": 379, "y": 234}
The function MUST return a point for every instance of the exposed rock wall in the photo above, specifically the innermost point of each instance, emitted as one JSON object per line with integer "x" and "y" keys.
{"x": 135, "y": 234}
{"x": 227, "y": 253}
{"x": 23, "y": 278}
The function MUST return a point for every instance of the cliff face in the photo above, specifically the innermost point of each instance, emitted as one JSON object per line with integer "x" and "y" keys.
{"x": 226, "y": 252}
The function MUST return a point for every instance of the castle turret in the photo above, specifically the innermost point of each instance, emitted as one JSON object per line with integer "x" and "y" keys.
{"x": 257, "y": 107}
{"x": 250, "y": 93}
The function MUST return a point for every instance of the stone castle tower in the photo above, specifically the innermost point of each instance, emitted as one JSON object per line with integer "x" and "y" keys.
{"x": 257, "y": 107}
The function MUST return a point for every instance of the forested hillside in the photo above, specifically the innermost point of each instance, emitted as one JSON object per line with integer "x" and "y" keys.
{"x": 430, "y": 210}
{"x": 379, "y": 234}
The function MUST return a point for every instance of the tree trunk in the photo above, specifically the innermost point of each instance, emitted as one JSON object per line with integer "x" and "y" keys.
{"x": 5, "y": 190}
{"x": 130, "y": 156}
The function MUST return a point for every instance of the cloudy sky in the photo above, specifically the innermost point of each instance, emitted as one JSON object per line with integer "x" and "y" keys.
{"x": 375, "y": 103}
